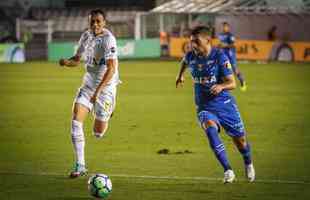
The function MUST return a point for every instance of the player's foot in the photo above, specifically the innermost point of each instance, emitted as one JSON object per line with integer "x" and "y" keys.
{"x": 243, "y": 87}
{"x": 229, "y": 176}
{"x": 250, "y": 172}
{"x": 78, "y": 170}
{"x": 98, "y": 135}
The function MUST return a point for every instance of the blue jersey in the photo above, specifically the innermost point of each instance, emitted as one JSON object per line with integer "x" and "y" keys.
{"x": 222, "y": 108}
{"x": 206, "y": 72}
{"x": 229, "y": 39}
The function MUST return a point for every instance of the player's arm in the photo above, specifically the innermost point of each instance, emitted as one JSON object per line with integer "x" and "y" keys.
{"x": 180, "y": 77}
{"x": 75, "y": 60}
{"x": 111, "y": 68}
{"x": 71, "y": 62}
{"x": 229, "y": 83}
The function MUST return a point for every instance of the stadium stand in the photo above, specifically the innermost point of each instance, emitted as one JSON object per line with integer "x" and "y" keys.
{"x": 70, "y": 21}
{"x": 291, "y": 17}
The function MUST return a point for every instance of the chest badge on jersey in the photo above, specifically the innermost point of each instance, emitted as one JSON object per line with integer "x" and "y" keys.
{"x": 200, "y": 66}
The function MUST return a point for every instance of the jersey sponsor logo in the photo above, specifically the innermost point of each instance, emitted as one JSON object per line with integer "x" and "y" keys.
{"x": 98, "y": 41}
{"x": 210, "y": 62}
{"x": 192, "y": 62}
{"x": 205, "y": 80}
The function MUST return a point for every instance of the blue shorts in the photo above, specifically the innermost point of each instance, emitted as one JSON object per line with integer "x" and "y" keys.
{"x": 225, "y": 113}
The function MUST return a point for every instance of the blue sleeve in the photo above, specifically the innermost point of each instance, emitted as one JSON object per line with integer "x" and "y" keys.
{"x": 225, "y": 65}
{"x": 186, "y": 58}
{"x": 231, "y": 39}
{"x": 220, "y": 37}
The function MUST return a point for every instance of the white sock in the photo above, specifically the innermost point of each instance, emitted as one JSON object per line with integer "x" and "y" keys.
{"x": 78, "y": 141}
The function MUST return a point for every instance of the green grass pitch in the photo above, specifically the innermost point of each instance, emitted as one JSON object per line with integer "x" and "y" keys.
{"x": 151, "y": 114}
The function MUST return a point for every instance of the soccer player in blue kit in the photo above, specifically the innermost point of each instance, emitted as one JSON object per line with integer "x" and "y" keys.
{"x": 227, "y": 43}
{"x": 213, "y": 78}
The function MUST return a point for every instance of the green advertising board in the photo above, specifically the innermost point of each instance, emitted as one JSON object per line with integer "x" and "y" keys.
{"x": 12, "y": 53}
{"x": 147, "y": 48}
{"x": 60, "y": 50}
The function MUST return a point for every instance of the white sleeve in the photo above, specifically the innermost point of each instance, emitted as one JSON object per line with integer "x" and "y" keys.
{"x": 81, "y": 45}
{"x": 110, "y": 48}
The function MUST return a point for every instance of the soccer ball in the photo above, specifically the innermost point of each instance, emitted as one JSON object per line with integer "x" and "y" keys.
{"x": 100, "y": 186}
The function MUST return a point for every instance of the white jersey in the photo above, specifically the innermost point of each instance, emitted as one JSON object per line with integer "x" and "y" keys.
{"x": 96, "y": 50}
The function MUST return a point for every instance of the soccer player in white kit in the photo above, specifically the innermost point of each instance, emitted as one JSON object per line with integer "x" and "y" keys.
{"x": 98, "y": 90}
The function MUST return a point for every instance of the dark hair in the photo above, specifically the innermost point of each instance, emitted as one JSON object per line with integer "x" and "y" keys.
{"x": 201, "y": 30}
{"x": 96, "y": 12}
{"x": 225, "y": 23}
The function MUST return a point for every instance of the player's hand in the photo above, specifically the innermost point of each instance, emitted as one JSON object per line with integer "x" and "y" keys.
{"x": 216, "y": 89}
{"x": 179, "y": 81}
{"x": 93, "y": 99}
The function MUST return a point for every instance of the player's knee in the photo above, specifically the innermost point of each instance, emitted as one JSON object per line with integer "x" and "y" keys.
{"x": 100, "y": 129}
{"x": 79, "y": 112}
{"x": 240, "y": 142}
{"x": 209, "y": 123}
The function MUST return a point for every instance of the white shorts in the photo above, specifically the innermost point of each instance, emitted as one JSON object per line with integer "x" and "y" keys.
{"x": 104, "y": 105}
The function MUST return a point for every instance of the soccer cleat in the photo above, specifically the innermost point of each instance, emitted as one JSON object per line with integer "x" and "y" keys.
{"x": 98, "y": 135}
{"x": 229, "y": 176}
{"x": 78, "y": 170}
{"x": 243, "y": 87}
{"x": 250, "y": 172}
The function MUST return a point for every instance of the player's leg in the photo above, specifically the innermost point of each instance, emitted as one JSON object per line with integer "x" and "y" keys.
{"x": 100, "y": 127}
{"x": 240, "y": 78}
{"x": 236, "y": 70}
{"x": 245, "y": 150}
{"x": 231, "y": 121}
{"x": 210, "y": 125}
{"x": 78, "y": 140}
{"x": 81, "y": 108}
{"x": 103, "y": 111}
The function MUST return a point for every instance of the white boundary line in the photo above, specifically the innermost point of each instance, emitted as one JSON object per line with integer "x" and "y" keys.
{"x": 195, "y": 178}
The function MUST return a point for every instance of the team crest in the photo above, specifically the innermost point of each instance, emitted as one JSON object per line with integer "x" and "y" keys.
{"x": 200, "y": 66}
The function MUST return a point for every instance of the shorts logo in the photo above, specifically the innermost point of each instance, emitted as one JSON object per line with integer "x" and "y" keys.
{"x": 227, "y": 65}
{"x": 227, "y": 101}
{"x": 107, "y": 106}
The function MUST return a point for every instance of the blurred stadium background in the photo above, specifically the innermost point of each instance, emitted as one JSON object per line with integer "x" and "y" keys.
{"x": 273, "y": 49}
{"x": 46, "y": 29}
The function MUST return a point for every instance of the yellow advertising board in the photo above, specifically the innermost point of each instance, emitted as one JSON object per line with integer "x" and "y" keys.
{"x": 177, "y": 47}
{"x": 253, "y": 49}
{"x": 301, "y": 50}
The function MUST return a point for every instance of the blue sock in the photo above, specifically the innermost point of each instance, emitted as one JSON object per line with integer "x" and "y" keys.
{"x": 246, "y": 154}
{"x": 217, "y": 146}
{"x": 240, "y": 78}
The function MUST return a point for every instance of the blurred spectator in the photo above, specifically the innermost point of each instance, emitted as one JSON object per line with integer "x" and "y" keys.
{"x": 212, "y": 28}
{"x": 175, "y": 31}
{"x": 186, "y": 32}
{"x": 272, "y": 35}
{"x": 164, "y": 43}
{"x": 27, "y": 36}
